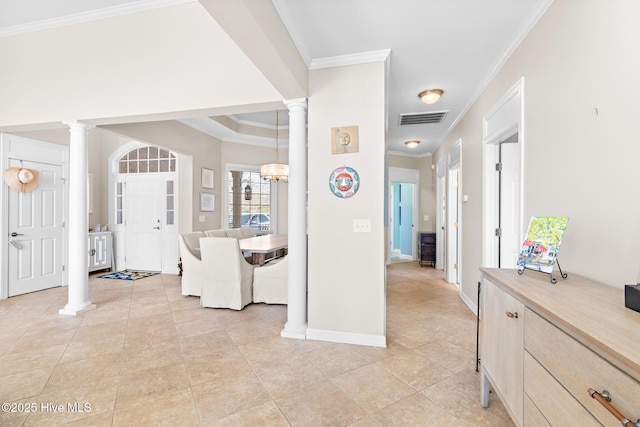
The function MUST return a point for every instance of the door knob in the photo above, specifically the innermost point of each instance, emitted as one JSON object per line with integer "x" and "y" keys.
{"x": 14, "y": 234}
{"x": 156, "y": 228}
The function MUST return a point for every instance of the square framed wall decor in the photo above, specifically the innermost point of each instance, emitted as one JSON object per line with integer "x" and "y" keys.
{"x": 207, "y": 202}
{"x": 207, "y": 178}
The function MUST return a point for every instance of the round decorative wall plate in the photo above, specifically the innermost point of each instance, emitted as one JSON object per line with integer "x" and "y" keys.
{"x": 344, "y": 182}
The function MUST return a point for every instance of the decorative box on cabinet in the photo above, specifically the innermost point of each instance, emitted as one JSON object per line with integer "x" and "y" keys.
{"x": 100, "y": 251}
{"x": 569, "y": 337}
{"x": 427, "y": 247}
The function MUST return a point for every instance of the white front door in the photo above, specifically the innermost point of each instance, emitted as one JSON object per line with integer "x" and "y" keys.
{"x": 143, "y": 222}
{"x": 36, "y": 231}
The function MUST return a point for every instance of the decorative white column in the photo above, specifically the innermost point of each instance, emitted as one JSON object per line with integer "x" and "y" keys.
{"x": 78, "y": 288}
{"x": 296, "y": 326}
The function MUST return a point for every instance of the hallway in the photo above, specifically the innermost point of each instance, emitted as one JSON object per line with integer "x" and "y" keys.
{"x": 149, "y": 356}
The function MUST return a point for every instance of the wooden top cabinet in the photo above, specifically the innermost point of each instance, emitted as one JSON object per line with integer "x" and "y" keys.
{"x": 543, "y": 346}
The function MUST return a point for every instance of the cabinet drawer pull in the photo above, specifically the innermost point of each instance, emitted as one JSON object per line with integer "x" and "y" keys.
{"x": 604, "y": 398}
{"x": 511, "y": 315}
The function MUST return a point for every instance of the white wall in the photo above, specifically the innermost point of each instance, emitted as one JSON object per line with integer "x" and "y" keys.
{"x": 346, "y": 288}
{"x": 168, "y": 60}
{"x": 581, "y": 56}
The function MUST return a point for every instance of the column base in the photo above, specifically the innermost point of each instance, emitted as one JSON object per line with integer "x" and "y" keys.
{"x": 73, "y": 311}
{"x": 297, "y": 333}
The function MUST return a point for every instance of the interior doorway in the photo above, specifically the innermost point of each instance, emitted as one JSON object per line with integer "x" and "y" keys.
{"x": 502, "y": 188}
{"x": 403, "y": 214}
{"x": 453, "y": 225}
{"x": 402, "y": 234}
{"x": 441, "y": 213}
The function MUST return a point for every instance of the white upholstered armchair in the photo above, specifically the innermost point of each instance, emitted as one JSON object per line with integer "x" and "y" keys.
{"x": 228, "y": 277}
{"x": 270, "y": 282}
{"x": 192, "y": 268}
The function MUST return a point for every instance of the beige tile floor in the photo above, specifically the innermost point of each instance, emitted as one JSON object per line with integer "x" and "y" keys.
{"x": 147, "y": 356}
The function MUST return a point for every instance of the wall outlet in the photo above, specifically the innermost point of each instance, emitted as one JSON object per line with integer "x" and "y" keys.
{"x": 362, "y": 226}
{"x": 201, "y": 218}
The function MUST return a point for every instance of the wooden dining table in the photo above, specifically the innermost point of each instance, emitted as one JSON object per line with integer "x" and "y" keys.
{"x": 259, "y": 246}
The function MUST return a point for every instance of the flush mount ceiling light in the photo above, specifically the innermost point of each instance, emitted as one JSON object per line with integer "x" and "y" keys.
{"x": 275, "y": 171}
{"x": 430, "y": 96}
{"x": 413, "y": 143}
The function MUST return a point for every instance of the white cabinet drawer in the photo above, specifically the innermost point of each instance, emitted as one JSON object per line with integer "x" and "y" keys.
{"x": 578, "y": 368}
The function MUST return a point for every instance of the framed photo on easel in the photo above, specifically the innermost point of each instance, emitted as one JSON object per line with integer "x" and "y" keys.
{"x": 541, "y": 246}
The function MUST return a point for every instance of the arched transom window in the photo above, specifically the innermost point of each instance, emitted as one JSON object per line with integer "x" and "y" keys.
{"x": 149, "y": 159}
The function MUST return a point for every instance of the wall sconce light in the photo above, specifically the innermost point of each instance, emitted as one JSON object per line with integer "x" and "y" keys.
{"x": 430, "y": 96}
{"x": 413, "y": 143}
{"x": 247, "y": 192}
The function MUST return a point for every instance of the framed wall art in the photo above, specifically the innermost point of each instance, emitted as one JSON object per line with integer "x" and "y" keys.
{"x": 207, "y": 202}
{"x": 344, "y": 140}
{"x": 207, "y": 178}
{"x": 344, "y": 182}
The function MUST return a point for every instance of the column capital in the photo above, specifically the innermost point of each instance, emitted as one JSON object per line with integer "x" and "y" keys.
{"x": 296, "y": 103}
{"x": 75, "y": 124}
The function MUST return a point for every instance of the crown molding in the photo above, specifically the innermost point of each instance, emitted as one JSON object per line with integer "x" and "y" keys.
{"x": 92, "y": 15}
{"x": 526, "y": 28}
{"x": 221, "y": 132}
{"x": 403, "y": 154}
{"x": 354, "y": 59}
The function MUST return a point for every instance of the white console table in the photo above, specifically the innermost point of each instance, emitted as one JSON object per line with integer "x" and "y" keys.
{"x": 100, "y": 251}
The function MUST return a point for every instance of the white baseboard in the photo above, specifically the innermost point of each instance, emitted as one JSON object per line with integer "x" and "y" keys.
{"x": 346, "y": 337}
{"x": 471, "y": 304}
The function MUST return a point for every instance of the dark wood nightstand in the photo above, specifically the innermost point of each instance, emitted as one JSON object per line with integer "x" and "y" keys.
{"x": 427, "y": 246}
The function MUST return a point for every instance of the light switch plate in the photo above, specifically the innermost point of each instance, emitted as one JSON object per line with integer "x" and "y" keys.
{"x": 362, "y": 226}
{"x": 201, "y": 218}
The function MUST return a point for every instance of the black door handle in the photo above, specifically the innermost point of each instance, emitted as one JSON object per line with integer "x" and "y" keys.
{"x": 14, "y": 234}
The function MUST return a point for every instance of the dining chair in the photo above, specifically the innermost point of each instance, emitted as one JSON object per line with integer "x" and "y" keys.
{"x": 192, "y": 267}
{"x": 271, "y": 281}
{"x": 228, "y": 277}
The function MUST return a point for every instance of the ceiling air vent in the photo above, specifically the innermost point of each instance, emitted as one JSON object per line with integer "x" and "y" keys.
{"x": 422, "y": 118}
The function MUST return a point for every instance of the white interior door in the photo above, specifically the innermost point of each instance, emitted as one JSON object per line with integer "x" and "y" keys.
{"x": 36, "y": 231}
{"x": 453, "y": 227}
{"x": 509, "y": 209}
{"x": 143, "y": 221}
{"x": 441, "y": 219}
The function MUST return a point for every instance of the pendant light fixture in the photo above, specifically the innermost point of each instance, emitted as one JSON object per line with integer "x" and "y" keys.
{"x": 275, "y": 171}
